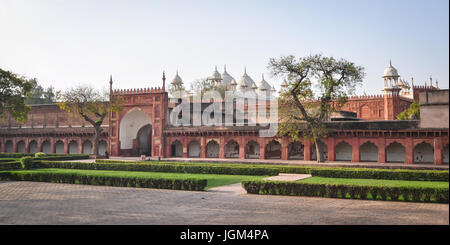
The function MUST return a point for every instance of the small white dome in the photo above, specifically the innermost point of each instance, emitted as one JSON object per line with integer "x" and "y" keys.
{"x": 284, "y": 84}
{"x": 215, "y": 76}
{"x": 263, "y": 85}
{"x": 390, "y": 71}
{"x": 226, "y": 78}
{"x": 177, "y": 79}
{"x": 246, "y": 82}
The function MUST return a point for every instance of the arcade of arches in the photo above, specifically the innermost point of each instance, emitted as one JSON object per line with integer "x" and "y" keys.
{"x": 62, "y": 146}
{"x": 399, "y": 150}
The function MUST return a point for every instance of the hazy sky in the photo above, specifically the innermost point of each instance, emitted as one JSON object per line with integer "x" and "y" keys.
{"x": 65, "y": 43}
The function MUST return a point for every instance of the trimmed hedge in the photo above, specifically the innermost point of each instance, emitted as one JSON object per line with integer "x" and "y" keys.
{"x": 168, "y": 168}
{"x": 359, "y": 173}
{"x": 393, "y": 174}
{"x": 10, "y": 165}
{"x": 191, "y": 184}
{"x": 63, "y": 157}
{"x": 27, "y": 162}
{"x": 289, "y": 188}
{"x": 278, "y": 168}
{"x": 43, "y": 156}
{"x": 7, "y": 160}
{"x": 16, "y": 155}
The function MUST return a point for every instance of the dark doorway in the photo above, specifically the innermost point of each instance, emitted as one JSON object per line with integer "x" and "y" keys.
{"x": 144, "y": 140}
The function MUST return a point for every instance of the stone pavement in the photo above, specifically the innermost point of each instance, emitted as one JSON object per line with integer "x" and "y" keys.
{"x": 50, "y": 203}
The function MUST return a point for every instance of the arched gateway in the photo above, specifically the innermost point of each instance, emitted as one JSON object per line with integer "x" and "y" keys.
{"x": 135, "y": 133}
{"x": 138, "y": 128}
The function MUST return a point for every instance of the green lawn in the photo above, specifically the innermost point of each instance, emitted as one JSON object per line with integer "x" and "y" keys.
{"x": 375, "y": 182}
{"x": 214, "y": 180}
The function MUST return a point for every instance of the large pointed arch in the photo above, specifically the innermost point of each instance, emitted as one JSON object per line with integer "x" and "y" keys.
{"x": 130, "y": 124}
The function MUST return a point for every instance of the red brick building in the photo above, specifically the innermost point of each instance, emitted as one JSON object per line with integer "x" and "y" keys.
{"x": 143, "y": 128}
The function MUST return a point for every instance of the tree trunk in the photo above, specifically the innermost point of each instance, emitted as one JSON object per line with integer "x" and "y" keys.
{"x": 318, "y": 150}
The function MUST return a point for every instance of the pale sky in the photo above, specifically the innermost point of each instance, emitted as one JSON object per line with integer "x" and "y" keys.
{"x": 65, "y": 43}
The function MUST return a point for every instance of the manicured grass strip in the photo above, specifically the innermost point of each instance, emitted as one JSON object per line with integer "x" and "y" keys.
{"x": 366, "y": 192}
{"x": 392, "y": 174}
{"x": 212, "y": 179}
{"x": 88, "y": 177}
{"x": 366, "y": 173}
{"x": 160, "y": 167}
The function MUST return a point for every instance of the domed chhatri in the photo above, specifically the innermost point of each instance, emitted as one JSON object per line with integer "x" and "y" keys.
{"x": 177, "y": 79}
{"x": 215, "y": 77}
{"x": 263, "y": 85}
{"x": 390, "y": 71}
{"x": 227, "y": 79}
{"x": 246, "y": 82}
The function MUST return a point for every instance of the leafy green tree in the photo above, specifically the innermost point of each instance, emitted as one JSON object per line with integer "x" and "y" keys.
{"x": 317, "y": 86}
{"x": 412, "y": 113}
{"x": 13, "y": 92}
{"x": 38, "y": 95}
{"x": 91, "y": 105}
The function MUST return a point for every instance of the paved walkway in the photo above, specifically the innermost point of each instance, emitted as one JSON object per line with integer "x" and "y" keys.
{"x": 33, "y": 203}
{"x": 237, "y": 188}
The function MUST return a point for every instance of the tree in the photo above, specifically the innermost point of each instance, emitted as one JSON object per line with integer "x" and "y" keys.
{"x": 412, "y": 113}
{"x": 91, "y": 105}
{"x": 13, "y": 91}
{"x": 38, "y": 95}
{"x": 204, "y": 84}
{"x": 317, "y": 86}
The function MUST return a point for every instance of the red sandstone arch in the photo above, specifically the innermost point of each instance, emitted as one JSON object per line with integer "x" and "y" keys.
{"x": 296, "y": 150}
{"x": 423, "y": 153}
{"x": 212, "y": 149}
{"x": 232, "y": 149}
{"x": 368, "y": 152}
{"x": 343, "y": 151}
{"x": 176, "y": 149}
{"x": 395, "y": 152}
{"x": 21, "y": 146}
{"x": 9, "y": 148}
{"x": 102, "y": 147}
{"x": 33, "y": 146}
{"x": 45, "y": 147}
{"x": 86, "y": 147}
{"x": 420, "y": 141}
{"x": 445, "y": 154}
{"x": 73, "y": 147}
{"x": 252, "y": 149}
{"x": 59, "y": 147}
{"x": 194, "y": 148}
{"x": 273, "y": 150}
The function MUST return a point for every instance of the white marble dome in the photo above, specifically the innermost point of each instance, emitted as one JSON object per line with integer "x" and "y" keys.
{"x": 177, "y": 79}
{"x": 390, "y": 71}
{"x": 246, "y": 82}
{"x": 263, "y": 85}
{"x": 215, "y": 76}
{"x": 227, "y": 79}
